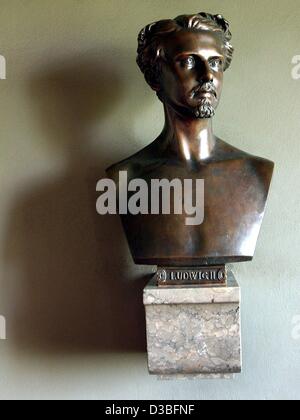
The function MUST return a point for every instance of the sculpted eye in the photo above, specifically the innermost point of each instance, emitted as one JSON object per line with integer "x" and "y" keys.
{"x": 216, "y": 64}
{"x": 188, "y": 62}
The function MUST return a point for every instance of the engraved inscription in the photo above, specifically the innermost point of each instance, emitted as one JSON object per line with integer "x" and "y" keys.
{"x": 197, "y": 276}
{"x": 162, "y": 275}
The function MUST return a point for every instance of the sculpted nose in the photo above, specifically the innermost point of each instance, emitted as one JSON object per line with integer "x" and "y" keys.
{"x": 204, "y": 74}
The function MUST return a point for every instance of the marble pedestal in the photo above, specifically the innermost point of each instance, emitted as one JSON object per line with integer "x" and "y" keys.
{"x": 193, "y": 331}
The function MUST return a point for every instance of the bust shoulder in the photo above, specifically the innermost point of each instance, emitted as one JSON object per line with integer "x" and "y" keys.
{"x": 152, "y": 157}
{"x": 257, "y": 169}
{"x": 135, "y": 164}
{"x": 225, "y": 151}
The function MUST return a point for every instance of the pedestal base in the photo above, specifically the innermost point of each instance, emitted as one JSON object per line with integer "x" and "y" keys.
{"x": 193, "y": 331}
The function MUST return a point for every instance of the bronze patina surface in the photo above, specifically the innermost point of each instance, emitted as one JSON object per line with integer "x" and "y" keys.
{"x": 183, "y": 61}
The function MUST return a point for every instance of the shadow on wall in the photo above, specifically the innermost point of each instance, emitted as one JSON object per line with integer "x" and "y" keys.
{"x": 76, "y": 289}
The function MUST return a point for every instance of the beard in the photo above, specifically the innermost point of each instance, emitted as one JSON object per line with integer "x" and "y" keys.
{"x": 204, "y": 110}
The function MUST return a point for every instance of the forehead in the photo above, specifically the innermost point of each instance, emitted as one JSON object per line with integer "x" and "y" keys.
{"x": 205, "y": 43}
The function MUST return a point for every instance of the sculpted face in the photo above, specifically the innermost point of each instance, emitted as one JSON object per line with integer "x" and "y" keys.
{"x": 192, "y": 72}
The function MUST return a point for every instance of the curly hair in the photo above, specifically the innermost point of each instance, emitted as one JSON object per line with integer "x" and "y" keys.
{"x": 149, "y": 40}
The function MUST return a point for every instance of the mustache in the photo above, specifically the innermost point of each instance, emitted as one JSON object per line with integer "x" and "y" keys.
{"x": 204, "y": 88}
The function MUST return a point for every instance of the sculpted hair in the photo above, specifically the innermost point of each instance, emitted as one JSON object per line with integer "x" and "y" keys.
{"x": 149, "y": 41}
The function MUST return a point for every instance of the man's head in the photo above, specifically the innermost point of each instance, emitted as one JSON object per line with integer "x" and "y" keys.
{"x": 183, "y": 60}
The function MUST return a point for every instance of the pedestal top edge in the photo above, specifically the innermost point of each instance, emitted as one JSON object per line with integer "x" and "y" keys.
{"x": 155, "y": 295}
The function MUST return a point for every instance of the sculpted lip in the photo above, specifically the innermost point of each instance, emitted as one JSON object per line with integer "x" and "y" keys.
{"x": 200, "y": 90}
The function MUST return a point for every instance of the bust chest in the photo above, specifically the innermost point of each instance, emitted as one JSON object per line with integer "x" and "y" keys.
{"x": 235, "y": 194}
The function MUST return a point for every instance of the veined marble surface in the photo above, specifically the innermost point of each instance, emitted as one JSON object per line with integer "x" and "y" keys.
{"x": 193, "y": 331}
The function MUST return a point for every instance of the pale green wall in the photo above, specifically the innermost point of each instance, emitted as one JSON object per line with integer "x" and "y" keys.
{"x": 74, "y": 102}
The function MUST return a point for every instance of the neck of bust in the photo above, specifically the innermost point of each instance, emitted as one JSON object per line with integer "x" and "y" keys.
{"x": 192, "y": 139}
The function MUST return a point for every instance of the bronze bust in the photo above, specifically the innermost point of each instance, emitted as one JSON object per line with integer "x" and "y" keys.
{"x": 183, "y": 60}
